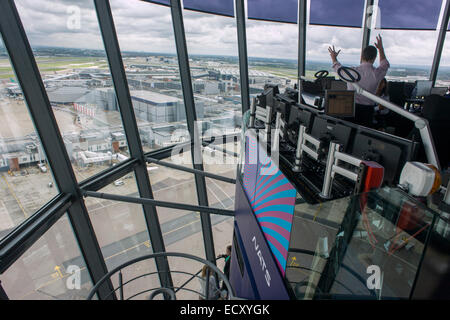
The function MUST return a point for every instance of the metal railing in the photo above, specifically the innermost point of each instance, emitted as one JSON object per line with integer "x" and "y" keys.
{"x": 169, "y": 293}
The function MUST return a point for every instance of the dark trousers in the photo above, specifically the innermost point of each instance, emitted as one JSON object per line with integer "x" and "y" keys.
{"x": 364, "y": 115}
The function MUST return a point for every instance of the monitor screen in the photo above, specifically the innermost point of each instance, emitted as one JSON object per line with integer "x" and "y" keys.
{"x": 340, "y": 104}
{"x": 298, "y": 116}
{"x": 423, "y": 88}
{"x": 389, "y": 151}
{"x": 328, "y": 130}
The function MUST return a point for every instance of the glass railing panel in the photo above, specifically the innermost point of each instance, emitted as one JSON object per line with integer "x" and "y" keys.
{"x": 366, "y": 246}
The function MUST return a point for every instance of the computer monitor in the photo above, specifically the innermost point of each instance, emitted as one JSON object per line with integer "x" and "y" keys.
{"x": 423, "y": 88}
{"x": 270, "y": 91}
{"x": 328, "y": 130}
{"x": 389, "y": 151}
{"x": 298, "y": 116}
{"x": 340, "y": 103}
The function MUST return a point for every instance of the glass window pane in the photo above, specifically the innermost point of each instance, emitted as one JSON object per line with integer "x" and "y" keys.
{"x": 273, "y": 10}
{"x": 171, "y": 184}
{"x": 336, "y": 241}
{"x": 404, "y": 65}
{"x": 345, "y": 13}
{"x": 145, "y": 34}
{"x": 272, "y": 55}
{"x": 26, "y": 181}
{"x": 183, "y": 234}
{"x": 319, "y": 38}
{"x": 69, "y": 51}
{"x": 409, "y": 14}
{"x": 223, "y": 228}
{"x": 213, "y": 52}
{"x": 220, "y": 194}
{"x": 443, "y": 77}
{"x": 222, "y": 163}
{"x": 52, "y": 269}
{"x": 120, "y": 227}
{"x": 122, "y": 234}
{"x": 222, "y": 7}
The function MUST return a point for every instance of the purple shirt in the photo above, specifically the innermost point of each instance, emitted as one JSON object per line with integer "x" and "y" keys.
{"x": 370, "y": 78}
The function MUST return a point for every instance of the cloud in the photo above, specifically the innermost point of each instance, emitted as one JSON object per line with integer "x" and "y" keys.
{"x": 143, "y": 26}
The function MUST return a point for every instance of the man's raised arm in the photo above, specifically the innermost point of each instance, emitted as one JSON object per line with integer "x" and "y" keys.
{"x": 334, "y": 54}
{"x": 384, "y": 63}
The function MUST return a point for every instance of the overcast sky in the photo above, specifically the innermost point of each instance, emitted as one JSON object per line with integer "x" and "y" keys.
{"x": 147, "y": 27}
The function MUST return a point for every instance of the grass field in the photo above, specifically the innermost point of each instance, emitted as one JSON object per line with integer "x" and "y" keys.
{"x": 55, "y": 64}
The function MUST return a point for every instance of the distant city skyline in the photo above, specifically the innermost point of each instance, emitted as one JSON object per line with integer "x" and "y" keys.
{"x": 170, "y": 54}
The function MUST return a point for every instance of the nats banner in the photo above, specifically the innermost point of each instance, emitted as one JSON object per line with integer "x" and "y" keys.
{"x": 272, "y": 198}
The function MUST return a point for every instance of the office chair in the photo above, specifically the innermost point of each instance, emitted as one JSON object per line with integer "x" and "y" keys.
{"x": 397, "y": 92}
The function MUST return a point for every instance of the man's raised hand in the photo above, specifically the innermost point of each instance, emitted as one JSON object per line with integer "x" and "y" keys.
{"x": 379, "y": 43}
{"x": 333, "y": 53}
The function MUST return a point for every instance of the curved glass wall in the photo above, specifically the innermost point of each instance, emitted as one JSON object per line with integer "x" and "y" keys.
{"x": 68, "y": 49}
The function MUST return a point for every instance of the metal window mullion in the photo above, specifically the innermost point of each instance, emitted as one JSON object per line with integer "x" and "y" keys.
{"x": 187, "y": 169}
{"x": 118, "y": 74}
{"x": 105, "y": 178}
{"x": 367, "y": 28}
{"x": 191, "y": 118}
{"x": 302, "y": 24}
{"x": 159, "y": 203}
{"x": 27, "y": 73}
{"x": 440, "y": 43}
{"x": 243, "y": 57}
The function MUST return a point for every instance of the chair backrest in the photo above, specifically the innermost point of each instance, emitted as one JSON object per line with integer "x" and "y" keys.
{"x": 436, "y": 110}
{"x": 396, "y": 91}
